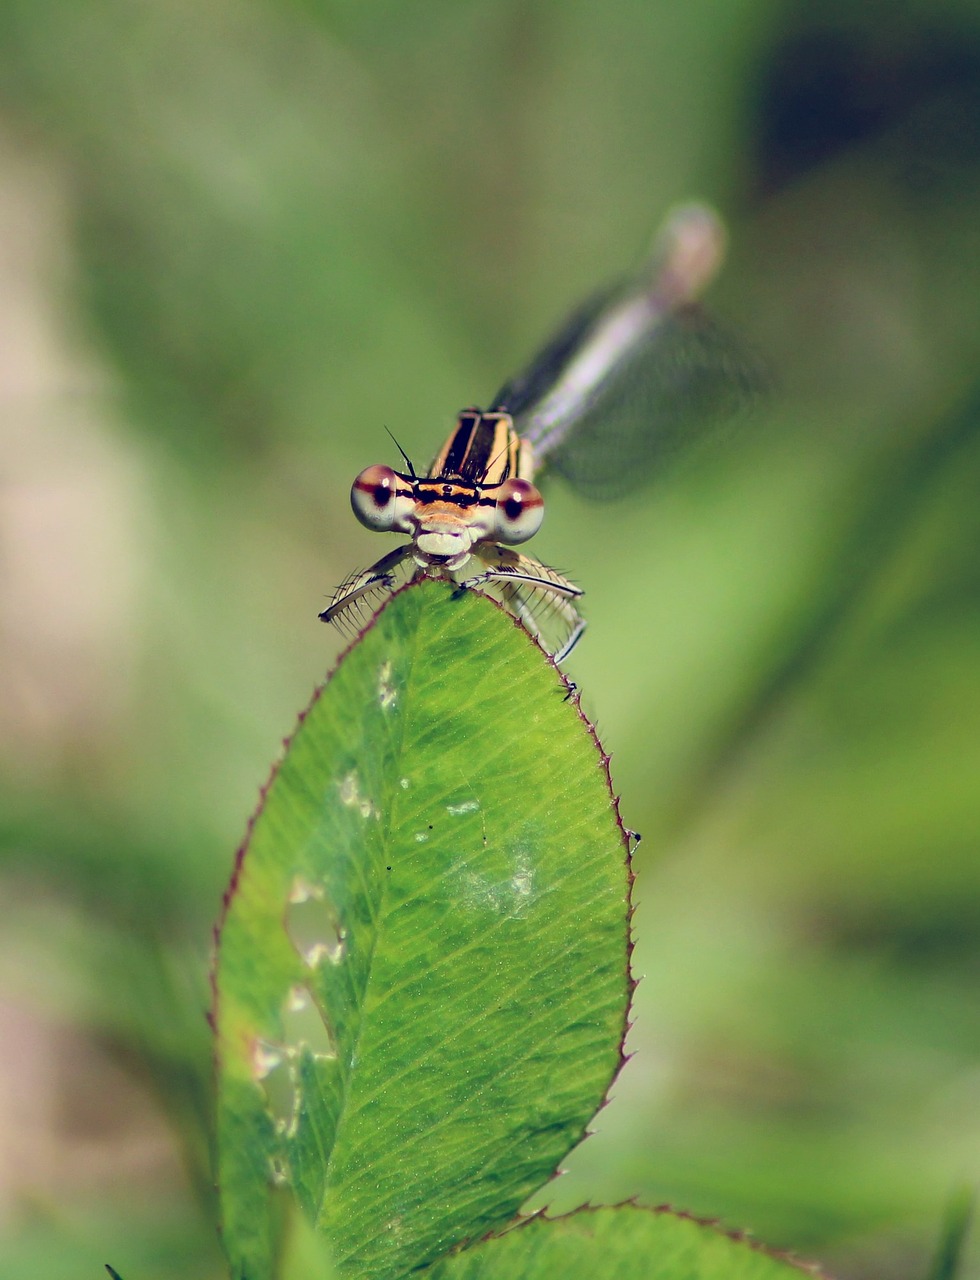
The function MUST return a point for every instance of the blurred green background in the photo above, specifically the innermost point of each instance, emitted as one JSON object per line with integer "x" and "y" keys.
{"x": 238, "y": 238}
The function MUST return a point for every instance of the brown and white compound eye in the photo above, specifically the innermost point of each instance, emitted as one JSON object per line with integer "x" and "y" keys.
{"x": 520, "y": 510}
{"x": 375, "y": 500}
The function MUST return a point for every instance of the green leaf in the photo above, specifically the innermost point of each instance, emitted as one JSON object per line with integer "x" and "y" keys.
{"x": 422, "y": 979}
{"x": 627, "y": 1242}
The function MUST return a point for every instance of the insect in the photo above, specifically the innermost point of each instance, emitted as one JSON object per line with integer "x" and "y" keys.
{"x": 632, "y": 374}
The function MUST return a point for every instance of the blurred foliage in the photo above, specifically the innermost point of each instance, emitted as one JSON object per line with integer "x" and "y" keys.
{"x": 237, "y": 240}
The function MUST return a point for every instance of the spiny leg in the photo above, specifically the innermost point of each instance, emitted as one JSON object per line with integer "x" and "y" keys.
{"x": 560, "y": 610}
{"x": 364, "y": 591}
{"x": 535, "y": 593}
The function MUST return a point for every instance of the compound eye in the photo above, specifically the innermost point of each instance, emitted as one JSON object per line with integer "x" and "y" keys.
{"x": 520, "y": 510}
{"x": 374, "y": 498}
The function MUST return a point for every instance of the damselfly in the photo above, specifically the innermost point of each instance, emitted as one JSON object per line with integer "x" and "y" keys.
{"x": 631, "y": 374}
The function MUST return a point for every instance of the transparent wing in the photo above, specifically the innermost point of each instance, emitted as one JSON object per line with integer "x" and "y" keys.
{"x": 638, "y": 372}
{"x": 531, "y": 385}
{"x": 671, "y": 392}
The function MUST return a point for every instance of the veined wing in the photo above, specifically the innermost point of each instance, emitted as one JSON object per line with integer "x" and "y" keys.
{"x": 638, "y": 372}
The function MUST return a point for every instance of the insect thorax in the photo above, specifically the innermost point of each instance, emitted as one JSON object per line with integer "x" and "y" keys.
{"x": 484, "y": 449}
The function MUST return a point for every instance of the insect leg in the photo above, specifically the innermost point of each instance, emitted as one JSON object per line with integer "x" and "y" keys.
{"x": 365, "y": 590}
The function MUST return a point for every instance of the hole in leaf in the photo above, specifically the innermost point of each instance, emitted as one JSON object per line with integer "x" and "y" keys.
{"x": 276, "y": 1067}
{"x": 274, "y": 1072}
{"x": 304, "y": 1027}
{"x": 313, "y": 927}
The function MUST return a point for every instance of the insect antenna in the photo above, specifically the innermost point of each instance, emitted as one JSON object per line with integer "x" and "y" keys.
{"x": 408, "y": 460}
